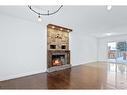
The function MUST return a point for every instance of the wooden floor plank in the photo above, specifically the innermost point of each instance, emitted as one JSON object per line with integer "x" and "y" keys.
{"x": 97, "y": 75}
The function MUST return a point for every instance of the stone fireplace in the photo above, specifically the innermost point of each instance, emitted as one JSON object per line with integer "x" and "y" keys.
{"x": 58, "y": 53}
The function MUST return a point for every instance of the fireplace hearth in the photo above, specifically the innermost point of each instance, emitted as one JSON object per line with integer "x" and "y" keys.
{"x": 58, "y": 53}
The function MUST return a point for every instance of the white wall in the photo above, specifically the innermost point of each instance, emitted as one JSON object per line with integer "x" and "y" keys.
{"x": 23, "y": 47}
{"x": 102, "y": 46}
{"x": 83, "y": 48}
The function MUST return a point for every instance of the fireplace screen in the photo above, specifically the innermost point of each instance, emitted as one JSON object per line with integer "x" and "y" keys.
{"x": 58, "y": 60}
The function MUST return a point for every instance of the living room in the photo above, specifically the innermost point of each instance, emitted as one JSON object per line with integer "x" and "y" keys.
{"x": 63, "y": 47}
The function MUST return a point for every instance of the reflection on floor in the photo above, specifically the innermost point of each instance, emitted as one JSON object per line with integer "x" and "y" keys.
{"x": 98, "y": 75}
{"x": 117, "y": 76}
{"x": 118, "y": 60}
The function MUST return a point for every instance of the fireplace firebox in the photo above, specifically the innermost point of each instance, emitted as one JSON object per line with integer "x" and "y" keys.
{"x": 58, "y": 60}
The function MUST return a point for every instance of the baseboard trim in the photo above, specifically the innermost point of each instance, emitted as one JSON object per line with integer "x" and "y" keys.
{"x": 36, "y": 72}
{"x": 20, "y": 75}
{"x": 83, "y": 63}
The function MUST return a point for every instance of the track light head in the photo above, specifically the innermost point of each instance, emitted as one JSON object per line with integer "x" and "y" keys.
{"x": 39, "y": 18}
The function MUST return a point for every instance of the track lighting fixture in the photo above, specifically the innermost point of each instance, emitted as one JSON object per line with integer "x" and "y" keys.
{"x": 44, "y": 14}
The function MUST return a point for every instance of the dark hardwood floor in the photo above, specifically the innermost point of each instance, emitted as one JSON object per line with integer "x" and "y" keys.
{"x": 97, "y": 75}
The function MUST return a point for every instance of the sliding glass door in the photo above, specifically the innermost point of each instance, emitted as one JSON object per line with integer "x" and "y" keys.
{"x": 121, "y": 52}
{"x": 117, "y": 52}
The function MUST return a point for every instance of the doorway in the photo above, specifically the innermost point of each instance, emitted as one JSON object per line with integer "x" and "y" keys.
{"x": 112, "y": 52}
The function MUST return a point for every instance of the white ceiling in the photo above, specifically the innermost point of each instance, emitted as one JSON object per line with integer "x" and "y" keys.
{"x": 92, "y": 20}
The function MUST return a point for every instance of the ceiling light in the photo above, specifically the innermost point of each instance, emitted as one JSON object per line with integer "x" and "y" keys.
{"x": 61, "y": 29}
{"x": 109, "y": 7}
{"x": 53, "y": 26}
{"x": 108, "y": 34}
{"x": 68, "y": 30}
{"x": 39, "y": 18}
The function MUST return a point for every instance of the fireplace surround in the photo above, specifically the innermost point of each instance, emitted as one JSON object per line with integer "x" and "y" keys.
{"x": 58, "y": 53}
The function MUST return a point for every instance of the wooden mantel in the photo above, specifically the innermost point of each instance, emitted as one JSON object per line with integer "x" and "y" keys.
{"x": 59, "y": 28}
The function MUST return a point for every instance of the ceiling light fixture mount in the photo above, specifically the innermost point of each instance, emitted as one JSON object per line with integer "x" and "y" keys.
{"x": 44, "y": 14}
